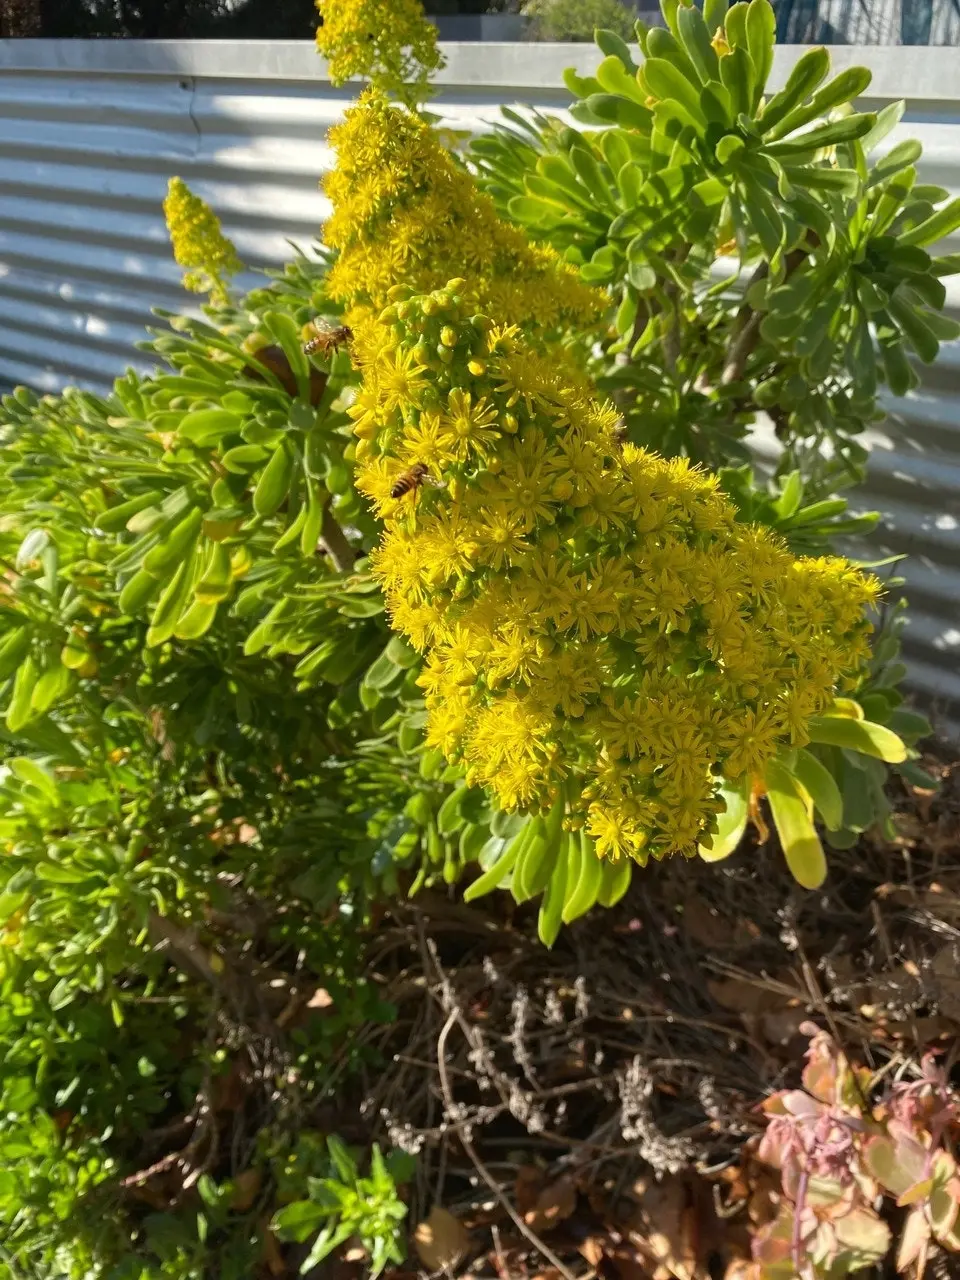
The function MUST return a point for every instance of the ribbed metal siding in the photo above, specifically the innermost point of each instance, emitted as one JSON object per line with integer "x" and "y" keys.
{"x": 84, "y": 164}
{"x": 85, "y": 156}
{"x": 885, "y": 22}
{"x": 91, "y": 131}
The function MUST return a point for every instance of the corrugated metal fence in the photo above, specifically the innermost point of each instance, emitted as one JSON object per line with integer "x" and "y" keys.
{"x": 90, "y": 131}
{"x": 879, "y": 22}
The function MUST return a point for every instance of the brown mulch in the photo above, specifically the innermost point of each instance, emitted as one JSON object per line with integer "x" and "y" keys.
{"x": 584, "y": 1111}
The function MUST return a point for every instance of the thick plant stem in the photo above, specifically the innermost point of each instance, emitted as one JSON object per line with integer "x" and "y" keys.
{"x": 186, "y": 951}
{"x": 746, "y": 325}
{"x": 334, "y": 542}
{"x": 743, "y": 345}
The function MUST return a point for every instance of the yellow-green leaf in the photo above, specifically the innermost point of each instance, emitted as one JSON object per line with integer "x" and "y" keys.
{"x": 731, "y": 824}
{"x": 792, "y": 816}
{"x": 821, "y": 786}
{"x": 858, "y": 735}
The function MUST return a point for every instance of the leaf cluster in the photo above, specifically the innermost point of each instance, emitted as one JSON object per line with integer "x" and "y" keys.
{"x": 770, "y": 253}
{"x": 839, "y": 1151}
{"x": 344, "y": 1203}
{"x": 191, "y": 818}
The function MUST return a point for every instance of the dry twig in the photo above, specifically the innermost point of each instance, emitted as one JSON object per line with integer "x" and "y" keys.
{"x": 484, "y": 1172}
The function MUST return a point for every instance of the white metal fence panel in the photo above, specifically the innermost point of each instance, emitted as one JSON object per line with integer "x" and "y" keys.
{"x": 885, "y": 22}
{"x": 90, "y": 132}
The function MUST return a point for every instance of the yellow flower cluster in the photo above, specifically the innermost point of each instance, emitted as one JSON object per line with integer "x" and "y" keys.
{"x": 388, "y": 41}
{"x": 198, "y": 243}
{"x": 593, "y": 615}
{"x": 404, "y": 213}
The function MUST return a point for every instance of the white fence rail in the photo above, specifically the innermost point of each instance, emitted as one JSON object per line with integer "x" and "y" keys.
{"x": 90, "y": 131}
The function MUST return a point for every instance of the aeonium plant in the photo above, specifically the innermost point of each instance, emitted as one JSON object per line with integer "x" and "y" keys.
{"x": 840, "y": 1152}
{"x": 773, "y": 259}
{"x": 609, "y": 650}
{"x": 754, "y": 241}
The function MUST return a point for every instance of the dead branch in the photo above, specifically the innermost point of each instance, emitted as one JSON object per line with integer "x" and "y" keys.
{"x": 451, "y": 1107}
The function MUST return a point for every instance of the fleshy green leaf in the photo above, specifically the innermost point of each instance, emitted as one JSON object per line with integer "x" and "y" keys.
{"x": 798, "y": 836}
{"x": 858, "y": 735}
{"x": 731, "y": 824}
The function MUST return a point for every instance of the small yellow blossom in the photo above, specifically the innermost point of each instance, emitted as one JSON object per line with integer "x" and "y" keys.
{"x": 404, "y": 213}
{"x": 390, "y": 42}
{"x": 199, "y": 244}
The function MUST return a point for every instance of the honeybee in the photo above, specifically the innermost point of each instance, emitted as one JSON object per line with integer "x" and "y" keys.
{"x": 327, "y": 339}
{"x": 410, "y": 481}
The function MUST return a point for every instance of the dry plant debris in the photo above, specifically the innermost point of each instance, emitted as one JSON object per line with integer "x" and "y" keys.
{"x": 595, "y": 1110}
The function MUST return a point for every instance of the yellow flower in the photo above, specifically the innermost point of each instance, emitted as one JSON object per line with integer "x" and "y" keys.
{"x": 616, "y": 834}
{"x": 514, "y": 655}
{"x": 514, "y": 728}
{"x": 404, "y": 212}
{"x": 422, "y": 441}
{"x": 449, "y": 717}
{"x": 402, "y": 381}
{"x": 199, "y": 244}
{"x": 568, "y": 679}
{"x": 447, "y": 547}
{"x": 467, "y": 426}
{"x": 389, "y": 41}
{"x": 573, "y": 638}
{"x": 588, "y": 609}
{"x": 528, "y": 490}
{"x": 500, "y": 537}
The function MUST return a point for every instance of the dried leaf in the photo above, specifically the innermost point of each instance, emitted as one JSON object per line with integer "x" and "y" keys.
{"x": 704, "y": 925}
{"x": 272, "y": 1253}
{"x": 740, "y": 996}
{"x": 740, "y": 1269}
{"x": 670, "y": 1231}
{"x": 246, "y": 1187}
{"x": 441, "y": 1241}
{"x": 779, "y": 1028}
{"x": 597, "y": 1199}
{"x": 554, "y": 1204}
{"x": 230, "y": 1089}
{"x": 627, "y": 1264}
{"x": 762, "y": 1206}
{"x": 592, "y": 1250}
{"x": 527, "y": 1187}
